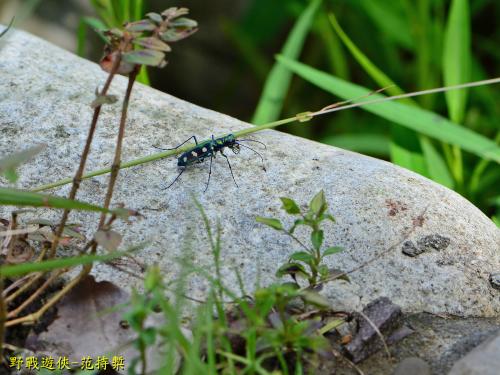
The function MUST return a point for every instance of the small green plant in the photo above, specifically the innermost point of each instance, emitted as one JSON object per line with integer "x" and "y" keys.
{"x": 309, "y": 262}
{"x": 276, "y": 329}
{"x": 110, "y": 14}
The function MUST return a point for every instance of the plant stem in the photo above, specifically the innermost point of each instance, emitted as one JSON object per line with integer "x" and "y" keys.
{"x": 271, "y": 125}
{"x": 83, "y": 160}
{"x": 119, "y": 142}
{"x": 118, "y": 151}
{"x": 298, "y": 241}
{"x": 3, "y": 318}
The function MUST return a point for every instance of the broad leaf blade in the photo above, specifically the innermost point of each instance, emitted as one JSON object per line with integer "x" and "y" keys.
{"x": 144, "y": 57}
{"x": 270, "y": 222}
{"x": 290, "y": 206}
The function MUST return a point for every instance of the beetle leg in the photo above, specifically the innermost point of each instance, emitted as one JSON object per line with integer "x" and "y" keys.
{"x": 175, "y": 148}
{"x": 209, "y": 173}
{"x": 230, "y": 169}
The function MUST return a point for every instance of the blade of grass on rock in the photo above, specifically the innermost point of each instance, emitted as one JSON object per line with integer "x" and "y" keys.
{"x": 52, "y": 264}
{"x": 15, "y": 197}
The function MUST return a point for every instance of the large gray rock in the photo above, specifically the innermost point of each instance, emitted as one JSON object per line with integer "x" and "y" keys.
{"x": 381, "y": 209}
{"x": 483, "y": 360}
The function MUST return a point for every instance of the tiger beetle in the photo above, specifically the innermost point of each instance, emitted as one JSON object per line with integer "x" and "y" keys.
{"x": 208, "y": 149}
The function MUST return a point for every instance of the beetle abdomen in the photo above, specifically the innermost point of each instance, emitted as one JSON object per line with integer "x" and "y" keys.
{"x": 196, "y": 155}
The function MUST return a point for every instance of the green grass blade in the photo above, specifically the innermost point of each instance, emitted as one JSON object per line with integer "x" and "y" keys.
{"x": 143, "y": 76}
{"x": 420, "y": 120}
{"x": 457, "y": 57}
{"x": 138, "y": 9}
{"x": 377, "y": 75}
{"x": 404, "y": 147}
{"x": 437, "y": 167}
{"x": 332, "y": 46}
{"x": 97, "y": 25}
{"x": 52, "y": 264}
{"x": 14, "y": 197}
{"x": 7, "y": 28}
{"x": 278, "y": 80}
{"x": 377, "y": 144}
{"x": 389, "y": 18}
{"x": 247, "y": 48}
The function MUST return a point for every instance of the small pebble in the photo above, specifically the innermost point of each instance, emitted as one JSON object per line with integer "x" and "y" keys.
{"x": 495, "y": 280}
{"x": 410, "y": 249}
{"x": 412, "y": 366}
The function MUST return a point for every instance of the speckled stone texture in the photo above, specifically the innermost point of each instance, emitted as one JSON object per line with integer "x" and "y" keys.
{"x": 45, "y": 96}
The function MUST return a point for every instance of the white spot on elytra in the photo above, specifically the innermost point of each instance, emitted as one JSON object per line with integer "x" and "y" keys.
{"x": 194, "y": 153}
{"x": 185, "y": 159}
{"x": 204, "y": 149}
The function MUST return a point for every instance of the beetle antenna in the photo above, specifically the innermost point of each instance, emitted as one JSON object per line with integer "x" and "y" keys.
{"x": 253, "y": 140}
{"x": 261, "y": 158}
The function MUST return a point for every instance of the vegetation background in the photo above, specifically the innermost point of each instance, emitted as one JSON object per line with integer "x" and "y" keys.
{"x": 413, "y": 45}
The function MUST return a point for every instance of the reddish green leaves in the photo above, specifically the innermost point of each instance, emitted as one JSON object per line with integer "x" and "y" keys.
{"x": 144, "y": 42}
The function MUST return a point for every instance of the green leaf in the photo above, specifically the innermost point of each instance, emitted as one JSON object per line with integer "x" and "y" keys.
{"x": 290, "y": 206}
{"x": 142, "y": 25}
{"x": 48, "y": 265}
{"x": 145, "y": 57}
{"x": 184, "y": 23}
{"x": 420, "y": 120}
{"x": 302, "y": 256}
{"x": 9, "y": 163}
{"x": 297, "y": 223}
{"x": 400, "y": 155}
{"x": 318, "y": 204}
{"x": 292, "y": 269}
{"x": 436, "y": 166}
{"x": 148, "y": 335}
{"x": 327, "y": 217}
{"x": 496, "y": 220}
{"x": 278, "y": 80}
{"x": 68, "y": 232}
{"x": 323, "y": 271}
{"x": 374, "y": 144}
{"x": 174, "y": 35}
{"x": 373, "y": 71}
{"x": 457, "y": 57}
{"x": 317, "y": 239}
{"x": 152, "y": 43}
{"x": 14, "y": 197}
{"x": 273, "y": 223}
{"x": 332, "y": 250}
{"x": 315, "y": 299}
{"x": 391, "y": 21}
{"x": 155, "y": 17}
